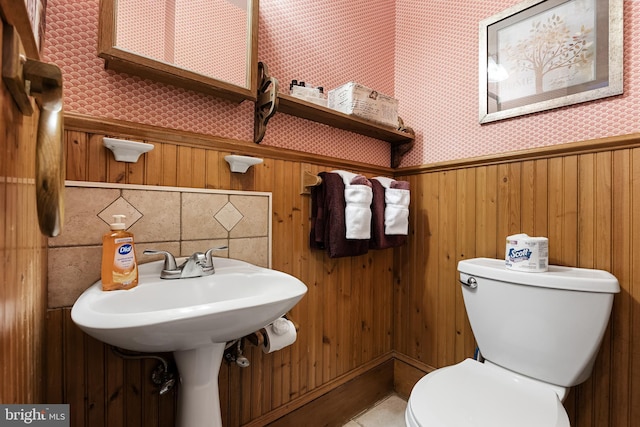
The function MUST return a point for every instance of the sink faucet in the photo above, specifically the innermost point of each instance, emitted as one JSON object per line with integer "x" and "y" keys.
{"x": 198, "y": 264}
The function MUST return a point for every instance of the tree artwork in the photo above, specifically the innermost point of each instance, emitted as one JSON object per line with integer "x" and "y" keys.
{"x": 550, "y": 46}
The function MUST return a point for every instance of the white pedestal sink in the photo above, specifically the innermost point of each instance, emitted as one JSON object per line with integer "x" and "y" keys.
{"x": 193, "y": 318}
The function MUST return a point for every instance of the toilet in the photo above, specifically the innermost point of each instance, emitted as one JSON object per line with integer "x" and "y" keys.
{"x": 538, "y": 334}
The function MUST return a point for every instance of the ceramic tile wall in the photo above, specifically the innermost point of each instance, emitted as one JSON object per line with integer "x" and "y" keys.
{"x": 179, "y": 220}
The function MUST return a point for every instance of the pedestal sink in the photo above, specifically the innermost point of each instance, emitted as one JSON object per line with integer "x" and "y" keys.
{"x": 193, "y": 318}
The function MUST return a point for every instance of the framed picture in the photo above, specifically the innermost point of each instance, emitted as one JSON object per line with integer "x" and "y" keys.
{"x": 540, "y": 55}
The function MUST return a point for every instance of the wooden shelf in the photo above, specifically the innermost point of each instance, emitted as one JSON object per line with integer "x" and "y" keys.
{"x": 307, "y": 110}
{"x": 270, "y": 101}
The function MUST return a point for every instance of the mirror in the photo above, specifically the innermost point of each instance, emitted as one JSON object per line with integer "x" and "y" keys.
{"x": 209, "y": 46}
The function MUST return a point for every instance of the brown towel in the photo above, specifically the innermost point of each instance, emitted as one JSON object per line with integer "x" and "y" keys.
{"x": 379, "y": 240}
{"x": 327, "y": 219}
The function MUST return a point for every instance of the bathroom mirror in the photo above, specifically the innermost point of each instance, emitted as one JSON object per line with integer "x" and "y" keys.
{"x": 209, "y": 46}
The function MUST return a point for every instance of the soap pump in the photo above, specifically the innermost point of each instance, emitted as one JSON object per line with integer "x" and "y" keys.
{"x": 119, "y": 265}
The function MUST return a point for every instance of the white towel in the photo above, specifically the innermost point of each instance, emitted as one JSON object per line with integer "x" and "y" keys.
{"x": 396, "y": 208}
{"x": 357, "y": 212}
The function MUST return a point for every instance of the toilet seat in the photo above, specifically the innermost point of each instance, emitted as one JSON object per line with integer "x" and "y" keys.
{"x": 475, "y": 394}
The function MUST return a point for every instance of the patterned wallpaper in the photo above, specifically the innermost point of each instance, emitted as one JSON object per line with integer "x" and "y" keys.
{"x": 425, "y": 53}
{"x": 180, "y": 32}
{"x": 71, "y": 42}
{"x": 437, "y": 85}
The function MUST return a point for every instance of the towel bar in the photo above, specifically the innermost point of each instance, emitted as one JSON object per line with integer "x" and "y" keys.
{"x": 309, "y": 180}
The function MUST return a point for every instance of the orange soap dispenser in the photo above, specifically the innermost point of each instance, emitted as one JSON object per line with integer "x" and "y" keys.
{"x": 119, "y": 266}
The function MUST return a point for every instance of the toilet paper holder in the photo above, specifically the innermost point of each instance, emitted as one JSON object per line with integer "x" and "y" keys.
{"x": 259, "y": 337}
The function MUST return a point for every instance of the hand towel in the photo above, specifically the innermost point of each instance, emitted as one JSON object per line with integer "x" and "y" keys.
{"x": 396, "y": 211}
{"x": 328, "y": 228}
{"x": 358, "y": 198}
{"x": 380, "y": 240}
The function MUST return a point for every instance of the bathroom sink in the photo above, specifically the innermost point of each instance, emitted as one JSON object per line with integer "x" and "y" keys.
{"x": 171, "y": 315}
{"x": 194, "y": 318}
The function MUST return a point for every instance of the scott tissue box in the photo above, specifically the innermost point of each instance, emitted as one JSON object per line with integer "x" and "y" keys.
{"x": 354, "y": 99}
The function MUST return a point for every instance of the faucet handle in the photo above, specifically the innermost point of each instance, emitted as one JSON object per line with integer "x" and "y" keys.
{"x": 209, "y": 254}
{"x": 169, "y": 260}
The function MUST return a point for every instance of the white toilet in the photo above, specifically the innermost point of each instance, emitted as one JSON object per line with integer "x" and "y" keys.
{"x": 539, "y": 334}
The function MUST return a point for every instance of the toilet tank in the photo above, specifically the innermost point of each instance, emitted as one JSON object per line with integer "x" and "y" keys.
{"x": 546, "y": 325}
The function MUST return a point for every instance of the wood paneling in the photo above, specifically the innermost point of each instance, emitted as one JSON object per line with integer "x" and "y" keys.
{"x": 345, "y": 319}
{"x": 23, "y": 272}
{"x": 404, "y": 303}
{"x": 587, "y": 203}
{"x": 335, "y": 408}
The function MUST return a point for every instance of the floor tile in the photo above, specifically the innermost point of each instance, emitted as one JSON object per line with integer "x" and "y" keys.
{"x": 386, "y": 413}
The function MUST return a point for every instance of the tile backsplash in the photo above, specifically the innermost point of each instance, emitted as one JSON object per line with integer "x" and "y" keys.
{"x": 179, "y": 220}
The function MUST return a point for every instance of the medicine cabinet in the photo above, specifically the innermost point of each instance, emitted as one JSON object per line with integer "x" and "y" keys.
{"x": 209, "y": 46}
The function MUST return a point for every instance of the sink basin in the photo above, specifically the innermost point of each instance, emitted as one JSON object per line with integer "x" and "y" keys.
{"x": 169, "y": 315}
{"x": 193, "y": 318}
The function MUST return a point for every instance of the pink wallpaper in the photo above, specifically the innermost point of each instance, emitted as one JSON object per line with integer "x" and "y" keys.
{"x": 425, "y": 53}
{"x": 141, "y": 28}
{"x": 180, "y": 32}
{"x": 225, "y": 44}
{"x": 437, "y": 85}
{"x": 71, "y": 43}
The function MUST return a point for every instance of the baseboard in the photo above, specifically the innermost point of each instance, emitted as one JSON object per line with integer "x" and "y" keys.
{"x": 333, "y": 404}
{"x": 335, "y": 407}
{"x": 406, "y": 373}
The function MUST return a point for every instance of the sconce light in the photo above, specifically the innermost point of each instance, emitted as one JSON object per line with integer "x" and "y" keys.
{"x": 126, "y": 151}
{"x": 241, "y": 163}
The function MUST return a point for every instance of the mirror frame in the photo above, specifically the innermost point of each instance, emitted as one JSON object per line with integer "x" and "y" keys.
{"x": 120, "y": 60}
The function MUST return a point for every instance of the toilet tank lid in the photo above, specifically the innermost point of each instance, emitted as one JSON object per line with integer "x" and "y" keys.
{"x": 557, "y": 277}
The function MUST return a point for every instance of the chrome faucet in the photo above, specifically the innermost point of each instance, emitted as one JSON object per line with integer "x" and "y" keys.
{"x": 198, "y": 264}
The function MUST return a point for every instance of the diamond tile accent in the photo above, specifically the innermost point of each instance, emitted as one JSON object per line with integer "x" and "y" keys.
{"x": 228, "y": 216}
{"x": 180, "y": 221}
{"x": 120, "y": 206}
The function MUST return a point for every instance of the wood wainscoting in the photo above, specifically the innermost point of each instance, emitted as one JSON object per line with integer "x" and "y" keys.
{"x": 23, "y": 253}
{"x": 345, "y": 319}
{"x": 585, "y": 197}
{"x": 362, "y": 312}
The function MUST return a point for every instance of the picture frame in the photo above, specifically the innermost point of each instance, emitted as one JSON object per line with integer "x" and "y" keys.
{"x": 539, "y": 55}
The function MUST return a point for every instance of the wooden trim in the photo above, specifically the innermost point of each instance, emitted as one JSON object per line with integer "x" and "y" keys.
{"x": 319, "y": 396}
{"x": 406, "y": 373}
{"x": 414, "y": 363}
{"x": 83, "y": 123}
{"x": 122, "y": 60}
{"x": 15, "y": 13}
{"x": 573, "y": 148}
{"x": 341, "y": 403}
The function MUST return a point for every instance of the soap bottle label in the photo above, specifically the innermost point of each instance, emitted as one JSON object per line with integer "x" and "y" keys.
{"x": 124, "y": 256}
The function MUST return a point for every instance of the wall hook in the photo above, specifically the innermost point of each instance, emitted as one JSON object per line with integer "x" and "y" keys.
{"x": 27, "y": 77}
{"x": 267, "y": 103}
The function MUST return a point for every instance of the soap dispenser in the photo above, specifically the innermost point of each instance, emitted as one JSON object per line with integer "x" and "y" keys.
{"x": 119, "y": 265}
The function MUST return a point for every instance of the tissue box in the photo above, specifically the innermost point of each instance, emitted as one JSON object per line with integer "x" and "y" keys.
{"x": 355, "y": 99}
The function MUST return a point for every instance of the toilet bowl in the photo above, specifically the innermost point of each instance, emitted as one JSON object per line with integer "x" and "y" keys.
{"x": 480, "y": 395}
{"x": 539, "y": 334}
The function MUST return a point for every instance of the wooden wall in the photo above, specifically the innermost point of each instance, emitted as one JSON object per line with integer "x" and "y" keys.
{"x": 361, "y": 313}
{"x": 345, "y": 319}
{"x": 584, "y": 197}
{"x": 23, "y": 259}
